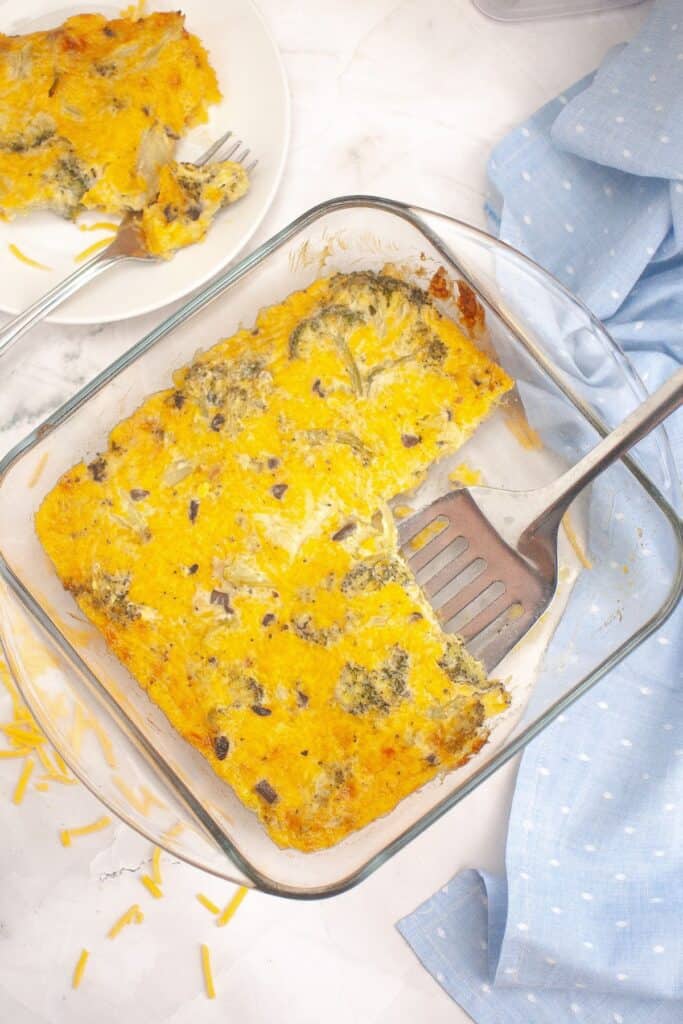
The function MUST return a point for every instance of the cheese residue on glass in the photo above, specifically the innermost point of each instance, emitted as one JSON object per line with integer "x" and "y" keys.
{"x": 143, "y": 801}
{"x": 466, "y": 476}
{"x": 234, "y": 545}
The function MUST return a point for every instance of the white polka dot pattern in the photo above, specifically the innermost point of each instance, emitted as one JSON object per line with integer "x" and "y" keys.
{"x": 585, "y": 926}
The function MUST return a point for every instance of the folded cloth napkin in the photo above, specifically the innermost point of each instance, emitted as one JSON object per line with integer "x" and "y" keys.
{"x": 588, "y": 923}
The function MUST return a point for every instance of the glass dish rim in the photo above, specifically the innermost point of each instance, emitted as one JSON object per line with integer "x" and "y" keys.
{"x": 413, "y": 215}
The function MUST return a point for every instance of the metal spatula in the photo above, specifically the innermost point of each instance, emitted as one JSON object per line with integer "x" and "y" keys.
{"x": 488, "y": 563}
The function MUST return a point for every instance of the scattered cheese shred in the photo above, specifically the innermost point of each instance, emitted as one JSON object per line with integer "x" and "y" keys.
{"x": 17, "y": 703}
{"x": 173, "y": 831}
{"x": 151, "y": 887}
{"x": 64, "y": 780}
{"x": 143, "y": 802}
{"x": 23, "y": 732}
{"x": 95, "y": 247}
{"x": 80, "y": 968}
{"x": 44, "y": 759}
{"x": 208, "y": 973}
{"x": 231, "y": 908}
{"x": 156, "y": 866}
{"x": 103, "y": 740}
{"x": 26, "y": 739}
{"x": 38, "y": 471}
{"x": 100, "y": 225}
{"x": 576, "y": 544}
{"x": 132, "y": 916}
{"x": 26, "y": 771}
{"x": 67, "y": 834}
{"x": 209, "y": 904}
{"x": 23, "y": 258}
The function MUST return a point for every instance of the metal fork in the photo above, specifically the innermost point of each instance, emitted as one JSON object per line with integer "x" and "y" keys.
{"x": 127, "y": 244}
{"x": 488, "y": 564}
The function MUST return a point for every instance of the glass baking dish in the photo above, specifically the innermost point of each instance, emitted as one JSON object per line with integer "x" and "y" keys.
{"x": 121, "y": 746}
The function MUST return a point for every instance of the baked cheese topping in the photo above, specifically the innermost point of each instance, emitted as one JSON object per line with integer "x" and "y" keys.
{"x": 234, "y": 546}
{"x": 188, "y": 199}
{"x": 92, "y": 109}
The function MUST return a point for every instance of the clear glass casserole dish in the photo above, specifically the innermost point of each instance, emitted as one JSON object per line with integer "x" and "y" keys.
{"x": 567, "y": 369}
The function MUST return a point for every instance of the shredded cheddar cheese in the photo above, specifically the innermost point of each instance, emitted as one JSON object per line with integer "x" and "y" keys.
{"x": 231, "y": 908}
{"x": 67, "y": 834}
{"x": 151, "y": 887}
{"x": 26, "y": 740}
{"x": 80, "y": 968}
{"x": 132, "y": 916}
{"x": 24, "y": 777}
{"x": 100, "y": 225}
{"x": 173, "y": 831}
{"x": 209, "y": 904}
{"x": 208, "y": 973}
{"x": 576, "y": 544}
{"x": 143, "y": 801}
{"x": 156, "y": 865}
{"x": 44, "y": 759}
{"x": 38, "y": 471}
{"x": 23, "y": 258}
{"x": 23, "y": 732}
{"x": 92, "y": 249}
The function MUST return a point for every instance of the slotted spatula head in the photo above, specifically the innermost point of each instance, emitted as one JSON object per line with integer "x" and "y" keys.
{"x": 479, "y": 585}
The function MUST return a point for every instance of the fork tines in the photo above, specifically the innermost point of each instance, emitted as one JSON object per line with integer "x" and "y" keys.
{"x": 235, "y": 152}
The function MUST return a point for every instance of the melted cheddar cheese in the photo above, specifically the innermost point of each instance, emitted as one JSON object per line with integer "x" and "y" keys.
{"x": 188, "y": 199}
{"x": 92, "y": 109}
{"x": 234, "y": 546}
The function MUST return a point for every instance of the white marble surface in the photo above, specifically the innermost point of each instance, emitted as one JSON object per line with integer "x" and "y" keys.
{"x": 397, "y": 98}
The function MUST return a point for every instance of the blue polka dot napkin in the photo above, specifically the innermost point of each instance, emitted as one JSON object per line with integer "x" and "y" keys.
{"x": 587, "y": 925}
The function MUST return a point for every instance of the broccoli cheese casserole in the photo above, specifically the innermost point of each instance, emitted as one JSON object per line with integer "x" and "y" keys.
{"x": 91, "y": 114}
{"x": 234, "y": 546}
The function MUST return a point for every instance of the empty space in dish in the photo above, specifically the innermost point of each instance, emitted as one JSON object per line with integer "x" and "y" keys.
{"x": 527, "y": 442}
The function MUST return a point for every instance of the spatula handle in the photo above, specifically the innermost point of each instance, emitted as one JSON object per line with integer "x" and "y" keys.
{"x": 560, "y": 494}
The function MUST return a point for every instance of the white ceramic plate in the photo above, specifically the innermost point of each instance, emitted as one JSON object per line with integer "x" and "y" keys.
{"x": 255, "y": 106}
